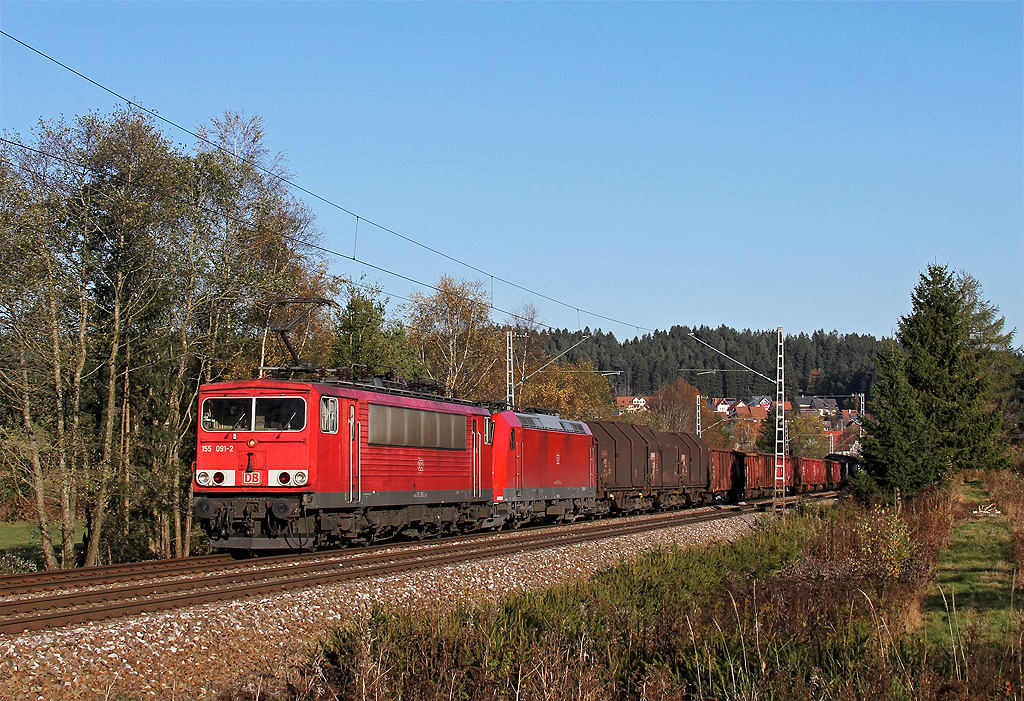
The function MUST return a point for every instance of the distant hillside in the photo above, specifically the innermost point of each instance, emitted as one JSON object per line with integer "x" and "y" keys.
{"x": 822, "y": 363}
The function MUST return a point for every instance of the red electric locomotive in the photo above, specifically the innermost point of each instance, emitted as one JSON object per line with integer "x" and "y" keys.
{"x": 543, "y": 468}
{"x": 299, "y": 465}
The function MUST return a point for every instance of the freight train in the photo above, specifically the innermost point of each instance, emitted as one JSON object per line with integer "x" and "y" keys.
{"x": 301, "y": 465}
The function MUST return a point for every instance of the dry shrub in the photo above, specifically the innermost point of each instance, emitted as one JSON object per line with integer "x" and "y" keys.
{"x": 1007, "y": 488}
{"x": 812, "y": 607}
{"x": 930, "y": 517}
{"x": 464, "y": 654}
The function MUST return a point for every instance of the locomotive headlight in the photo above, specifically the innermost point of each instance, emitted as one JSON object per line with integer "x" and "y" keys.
{"x": 218, "y": 477}
{"x": 284, "y": 478}
{"x": 252, "y": 442}
{"x": 300, "y": 478}
{"x": 203, "y": 478}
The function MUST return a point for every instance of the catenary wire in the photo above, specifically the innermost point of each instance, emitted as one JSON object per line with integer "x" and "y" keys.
{"x": 246, "y": 226}
{"x": 326, "y": 201}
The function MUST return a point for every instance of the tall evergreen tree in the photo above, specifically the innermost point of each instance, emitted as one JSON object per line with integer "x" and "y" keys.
{"x": 935, "y": 412}
{"x": 896, "y": 439}
{"x": 363, "y": 334}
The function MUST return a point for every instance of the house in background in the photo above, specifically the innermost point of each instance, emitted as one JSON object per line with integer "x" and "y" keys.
{"x": 631, "y": 405}
{"x": 826, "y": 408}
{"x": 756, "y": 412}
{"x": 721, "y": 405}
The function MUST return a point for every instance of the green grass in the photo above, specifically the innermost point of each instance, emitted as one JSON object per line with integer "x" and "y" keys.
{"x": 21, "y": 539}
{"x": 19, "y": 534}
{"x": 972, "y": 592}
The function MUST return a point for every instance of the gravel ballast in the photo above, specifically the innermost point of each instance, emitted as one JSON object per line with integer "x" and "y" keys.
{"x": 201, "y": 652}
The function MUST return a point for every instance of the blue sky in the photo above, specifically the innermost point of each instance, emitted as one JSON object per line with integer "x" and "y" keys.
{"x": 748, "y": 164}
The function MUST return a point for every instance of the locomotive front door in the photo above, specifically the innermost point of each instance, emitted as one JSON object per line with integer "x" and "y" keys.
{"x": 355, "y": 453}
{"x": 477, "y": 457}
{"x": 517, "y": 450}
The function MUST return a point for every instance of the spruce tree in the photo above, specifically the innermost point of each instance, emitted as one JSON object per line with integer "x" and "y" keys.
{"x": 935, "y": 413}
{"x": 896, "y": 440}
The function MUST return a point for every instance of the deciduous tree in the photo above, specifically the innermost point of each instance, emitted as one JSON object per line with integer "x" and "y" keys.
{"x": 141, "y": 271}
{"x": 807, "y": 435}
{"x": 574, "y": 390}
{"x": 453, "y": 330}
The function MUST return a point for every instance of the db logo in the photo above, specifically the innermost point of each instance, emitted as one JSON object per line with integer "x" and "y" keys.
{"x": 250, "y": 478}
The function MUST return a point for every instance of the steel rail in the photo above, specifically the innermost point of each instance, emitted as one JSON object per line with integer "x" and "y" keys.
{"x": 55, "y": 579}
{"x": 67, "y": 609}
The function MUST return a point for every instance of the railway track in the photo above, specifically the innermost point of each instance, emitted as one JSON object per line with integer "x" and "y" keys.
{"x": 70, "y": 597}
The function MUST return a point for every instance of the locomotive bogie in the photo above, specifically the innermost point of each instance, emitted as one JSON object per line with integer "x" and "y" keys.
{"x": 247, "y": 524}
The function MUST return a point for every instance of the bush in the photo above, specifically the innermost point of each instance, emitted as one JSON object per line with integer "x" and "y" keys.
{"x": 13, "y": 564}
{"x": 813, "y": 606}
{"x": 865, "y": 488}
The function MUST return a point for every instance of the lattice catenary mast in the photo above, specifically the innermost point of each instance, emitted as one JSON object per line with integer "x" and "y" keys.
{"x": 780, "y": 423}
{"x": 510, "y": 393}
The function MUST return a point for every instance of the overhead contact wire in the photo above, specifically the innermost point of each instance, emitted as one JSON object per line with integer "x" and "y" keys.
{"x": 322, "y": 199}
{"x": 246, "y": 226}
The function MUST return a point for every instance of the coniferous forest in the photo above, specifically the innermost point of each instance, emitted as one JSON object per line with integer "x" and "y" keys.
{"x": 822, "y": 363}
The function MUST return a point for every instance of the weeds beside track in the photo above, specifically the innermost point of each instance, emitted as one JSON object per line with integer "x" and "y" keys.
{"x": 824, "y": 604}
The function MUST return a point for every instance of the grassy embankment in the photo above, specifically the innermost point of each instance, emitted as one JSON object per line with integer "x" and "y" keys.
{"x": 20, "y": 549}
{"x": 972, "y": 599}
{"x": 837, "y": 603}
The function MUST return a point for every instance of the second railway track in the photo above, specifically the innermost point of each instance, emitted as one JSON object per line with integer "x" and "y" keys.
{"x": 37, "y": 602}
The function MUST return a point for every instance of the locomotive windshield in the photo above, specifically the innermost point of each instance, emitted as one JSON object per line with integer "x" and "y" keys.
{"x": 271, "y": 414}
{"x": 227, "y": 414}
{"x": 280, "y": 414}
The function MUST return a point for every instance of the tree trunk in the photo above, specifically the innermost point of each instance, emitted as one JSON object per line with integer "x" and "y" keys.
{"x": 38, "y": 480}
{"x": 107, "y": 457}
{"x": 65, "y": 450}
{"x": 79, "y": 456}
{"x": 125, "y": 440}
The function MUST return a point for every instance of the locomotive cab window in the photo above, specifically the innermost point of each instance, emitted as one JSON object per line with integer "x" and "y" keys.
{"x": 280, "y": 414}
{"x": 488, "y": 430}
{"x": 227, "y": 414}
{"x": 328, "y": 414}
{"x": 254, "y": 414}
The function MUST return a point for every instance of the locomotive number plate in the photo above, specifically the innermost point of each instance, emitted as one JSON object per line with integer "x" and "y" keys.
{"x": 218, "y": 448}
